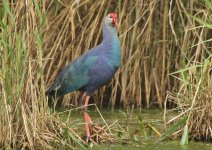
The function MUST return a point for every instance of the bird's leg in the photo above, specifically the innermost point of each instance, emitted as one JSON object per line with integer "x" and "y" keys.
{"x": 86, "y": 109}
{"x": 87, "y": 118}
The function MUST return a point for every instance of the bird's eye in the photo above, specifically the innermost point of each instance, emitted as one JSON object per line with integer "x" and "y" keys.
{"x": 110, "y": 16}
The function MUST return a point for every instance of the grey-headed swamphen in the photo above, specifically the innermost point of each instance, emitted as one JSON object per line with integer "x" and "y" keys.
{"x": 93, "y": 69}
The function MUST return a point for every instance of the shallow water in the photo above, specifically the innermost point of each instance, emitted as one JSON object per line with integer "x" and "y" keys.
{"x": 128, "y": 120}
{"x": 174, "y": 145}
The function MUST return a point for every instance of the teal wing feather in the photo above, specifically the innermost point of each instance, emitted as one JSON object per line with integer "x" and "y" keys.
{"x": 74, "y": 76}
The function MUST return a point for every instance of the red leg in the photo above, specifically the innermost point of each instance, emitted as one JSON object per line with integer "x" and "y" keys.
{"x": 87, "y": 117}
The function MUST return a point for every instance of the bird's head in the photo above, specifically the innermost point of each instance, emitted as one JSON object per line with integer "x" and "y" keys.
{"x": 112, "y": 19}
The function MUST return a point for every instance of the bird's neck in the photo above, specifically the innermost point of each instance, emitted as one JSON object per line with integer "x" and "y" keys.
{"x": 111, "y": 41}
{"x": 109, "y": 34}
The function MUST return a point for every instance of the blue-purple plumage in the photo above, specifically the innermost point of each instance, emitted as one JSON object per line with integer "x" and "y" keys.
{"x": 93, "y": 69}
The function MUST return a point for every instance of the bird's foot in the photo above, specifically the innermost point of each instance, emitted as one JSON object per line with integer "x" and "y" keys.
{"x": 90, "y": 140}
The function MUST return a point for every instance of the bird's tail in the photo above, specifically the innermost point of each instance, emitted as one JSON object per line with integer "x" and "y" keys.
{"x": 53, "y": 99}
{"x": 51, "y": 95}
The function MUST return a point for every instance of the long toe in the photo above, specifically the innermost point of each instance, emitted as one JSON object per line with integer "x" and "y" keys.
{"x": 90, "y": 140}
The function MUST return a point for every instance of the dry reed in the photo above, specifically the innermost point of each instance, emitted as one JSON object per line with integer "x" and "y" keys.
{"x": 192, "y": 94}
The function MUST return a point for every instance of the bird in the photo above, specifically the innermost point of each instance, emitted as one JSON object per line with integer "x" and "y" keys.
{"x": 93, "y": 69}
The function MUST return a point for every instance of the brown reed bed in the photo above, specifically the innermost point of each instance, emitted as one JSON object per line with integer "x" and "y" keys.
{"x": 158, "y": 38}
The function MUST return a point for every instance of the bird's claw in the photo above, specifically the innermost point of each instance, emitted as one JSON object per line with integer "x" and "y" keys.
{"x": 89, "y": 139}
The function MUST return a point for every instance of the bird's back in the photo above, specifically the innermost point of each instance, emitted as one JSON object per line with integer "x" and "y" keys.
{"x": 74, "y": 76}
